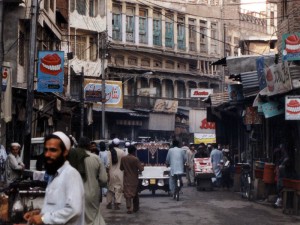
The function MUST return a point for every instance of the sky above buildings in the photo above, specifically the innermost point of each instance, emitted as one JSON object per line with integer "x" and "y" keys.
{"x": 254, "y": 5}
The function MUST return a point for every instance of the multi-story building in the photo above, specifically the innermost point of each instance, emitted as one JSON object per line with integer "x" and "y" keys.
{"x": 161, "y": 50}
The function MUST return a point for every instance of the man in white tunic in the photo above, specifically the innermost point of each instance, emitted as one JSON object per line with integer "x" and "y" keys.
{"x": 13, "y": 165}
{"x": 64, "y": 199}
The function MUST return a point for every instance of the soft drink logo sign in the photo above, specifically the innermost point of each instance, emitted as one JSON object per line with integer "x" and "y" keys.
{"x": 207, "y": 125}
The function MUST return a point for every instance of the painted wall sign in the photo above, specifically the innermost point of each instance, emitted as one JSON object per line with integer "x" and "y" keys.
{"x": 201, "y": 92}
{"x": 113, "y": 93}
{"x": 198, "y": 123}
{"x": 50, "y": 71}
{"x": 204, "y": 138}
{"x": 292, "y": 107}
{"x": 168, "y": 106}
{"x": 291, "y": 46}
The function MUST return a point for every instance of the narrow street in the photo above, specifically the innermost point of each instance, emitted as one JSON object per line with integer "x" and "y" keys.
{"x": 194, "y": 208}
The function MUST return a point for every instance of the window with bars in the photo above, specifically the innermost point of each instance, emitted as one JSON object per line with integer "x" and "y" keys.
{"x": 180, "y": 33}
{"x": 92, "y": 8}
{"x": 157, "y": 28}
{"x": 21, "y": 48}
{"x": 203, "y": 36}
{"x": 130, "y": 24}
{"x": 192, "y": 35}
{"x": 169, "y": 35}
{"x": 116, "y": 23}
{"x": 143, "y": 34}
{"x": 78, "y": 45}
{"x": 272, "y": 19}
{"x": 214, "y": 38}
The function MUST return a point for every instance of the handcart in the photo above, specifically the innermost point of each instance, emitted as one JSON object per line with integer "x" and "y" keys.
{"x": 203, "y": 174}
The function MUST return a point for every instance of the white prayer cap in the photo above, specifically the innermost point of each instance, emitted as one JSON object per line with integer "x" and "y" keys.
{"x": 15, "y": 144}
{"x": 64, "y": 138}
{"x": 116, "y": 141}
{"x": 127, "y": 143}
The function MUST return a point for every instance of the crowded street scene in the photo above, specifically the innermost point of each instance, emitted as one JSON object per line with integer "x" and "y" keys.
{"x": 118, "y": 112}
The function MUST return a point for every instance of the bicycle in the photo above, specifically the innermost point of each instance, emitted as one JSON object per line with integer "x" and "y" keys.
{"x": 178, "y": 185}
{"x": 246, "y": 181}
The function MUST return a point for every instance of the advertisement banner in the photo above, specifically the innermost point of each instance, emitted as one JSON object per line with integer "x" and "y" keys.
{"x": 204, "y": 138}
{"x": 113, "y": 93}
{"x": 292, "y": 107}
{"x": 278, "y": 79}
{"x": 291, "y": 46}
{"x": 167, "y": 106}
{"x": 50, "y": 71}
{"x": 198, "y": 122}
{"x": 260, "y": 66}
{"x": 6, "y": 74}
{"x": 201, "y": 92}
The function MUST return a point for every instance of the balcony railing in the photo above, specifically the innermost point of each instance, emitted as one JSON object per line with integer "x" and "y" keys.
{"x": 131, "y": 102}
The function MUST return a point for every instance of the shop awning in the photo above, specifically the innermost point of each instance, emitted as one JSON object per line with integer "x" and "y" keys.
{"x": 250, "y": 83}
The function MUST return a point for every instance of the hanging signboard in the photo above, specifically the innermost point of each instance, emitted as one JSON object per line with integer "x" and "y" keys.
{"x": 252, "y": 116}
{"x": 50, "y": 71}
{"x": 200, "y": 92}
{"x": 271, "y": 109}
{"x": 260, "y": 66}
{"x": 278, "y": 79}
{"x": 235, "y": 92}
{"x": 113, "y": 93}
{"x": 291, "y": 46}
{"x": 292, "y": 107}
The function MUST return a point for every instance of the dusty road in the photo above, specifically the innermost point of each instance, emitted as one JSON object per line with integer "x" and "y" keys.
{"x": 194, "y": 208}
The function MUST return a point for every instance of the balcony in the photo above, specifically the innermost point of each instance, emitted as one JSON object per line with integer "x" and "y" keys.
{"x": 142, "y": 102}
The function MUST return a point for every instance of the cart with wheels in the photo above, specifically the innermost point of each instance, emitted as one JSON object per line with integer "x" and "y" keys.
{"x": 203, "y": 174}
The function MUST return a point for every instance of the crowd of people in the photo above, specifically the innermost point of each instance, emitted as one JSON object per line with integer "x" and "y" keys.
{"x": 77, "y": 176}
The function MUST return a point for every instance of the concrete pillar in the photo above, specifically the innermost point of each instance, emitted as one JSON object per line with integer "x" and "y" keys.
{"x": 209, "y": 37}
{"x": 150, "y": 27}
{"x": 109, "y": 18}
{"x": 187, "y": 37}
{"x": 136, "y": 24}
{"x": 198, "y": 35}
{"x": 125, "y": 88}
{"x": 175, "y": 87}
{"x": 187, "y": 89}
{"x": 163, "y": 28}
{"x": 175, "y": 33}
{"x": 163, "y": 88}
{"x": 124, "y": 22}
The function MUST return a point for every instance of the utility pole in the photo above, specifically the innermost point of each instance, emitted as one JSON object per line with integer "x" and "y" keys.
{"x": 82, "y": 102}
{"x": 1, "y": 58}
{"x": 30, "y": 86}
{"x": 103, "y": 54}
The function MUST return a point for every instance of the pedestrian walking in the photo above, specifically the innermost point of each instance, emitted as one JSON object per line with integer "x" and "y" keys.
{"x": 216, "y": 157}
{"x": 131, "y": 166}
{"x": 3, "y": 157}
{"x": 94, "y": 175}
{"x": 13, "y": 165}
{"x": 103, "y": 155}
{"x": 176, "y": 159}
{"x": 115, "y": 182}
{"x": 190, "y": 174}
{"x": 64, "y": 198}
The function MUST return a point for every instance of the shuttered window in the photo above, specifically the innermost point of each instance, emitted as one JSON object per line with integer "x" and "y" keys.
{"x": 181, "y": 33}
{"x": 169, "y": 40}
{"x": 130, "y": 24}
{"x": 116, "y": 23}
{"x": 157, "y": 28}
{"x": 143, "y": 26}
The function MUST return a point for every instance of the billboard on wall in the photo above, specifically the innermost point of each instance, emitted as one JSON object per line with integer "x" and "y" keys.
{"x": 113, "y": 93}
{"x": 201, "y": 92}
{"x": 198, "y": 123}
{"x": 50, "y": 71}
{"x": 167, "y": 106}
{"x": 292, "y": 107}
